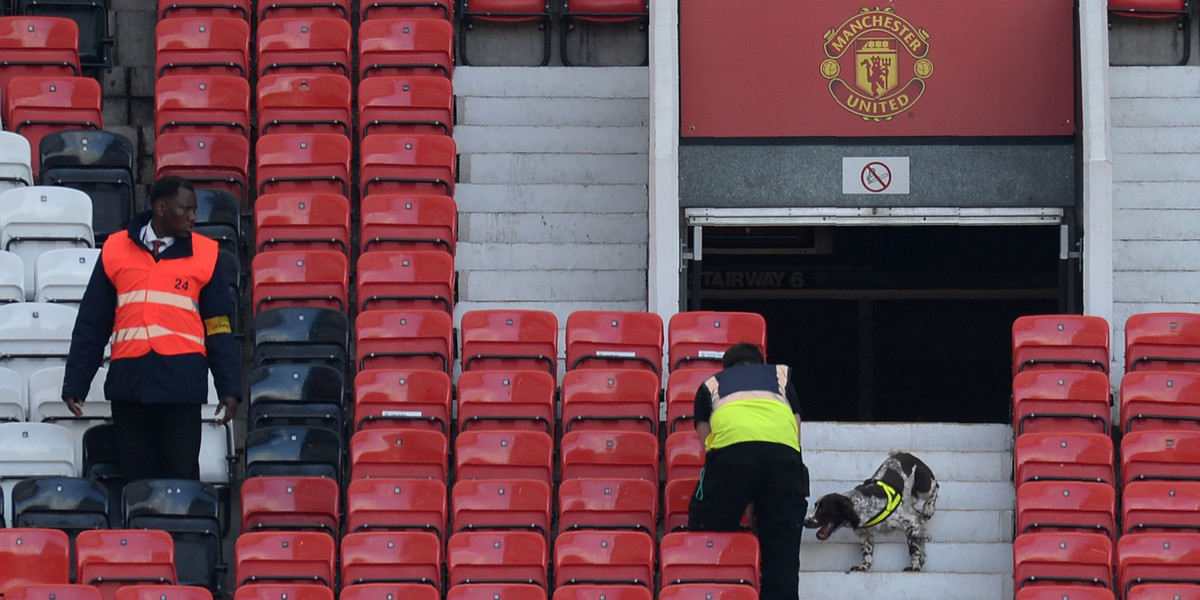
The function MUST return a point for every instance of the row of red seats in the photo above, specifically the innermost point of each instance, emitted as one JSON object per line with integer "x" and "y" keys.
{"x": 1153, "y": 342}
{"x": 1148, "y": 566}
{"x": 386, "y": 591}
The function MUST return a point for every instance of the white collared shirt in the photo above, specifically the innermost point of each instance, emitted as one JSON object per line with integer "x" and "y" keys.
{"x": 148, "y": 237}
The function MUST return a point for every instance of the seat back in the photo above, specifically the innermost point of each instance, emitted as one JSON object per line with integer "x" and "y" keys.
{"x": 40, "y": 218}
{"x": 1067, "y": 506}
{"x": 497, "y": 557}
{"x": 710, "y": 591}
{"x": 1162, "y": 341}
{"x": 1057, "y": 557}
{"x": 609, "y": 455}
{"x": 508, "y": 340}
{"x": 1061, "y": 400}
{"x": 610, "y": 399}
{"x": 628, "y": 504}
{"x": 61, "y": 591}
{"x": 16, "y": 157}
{"x": 1058, "y": 341}
{"x": 1064, "y": 456}
{"x": 404, "y": 339}
{"x": 219, "y": 161}
{"x": 283, "y": 591}
{"x": 304, "y": 45}
{"x": 71, "y": 504}
{"x": 113, "y": 558}
{"x": 285, "y": 557}
{"x": 98, "y": 163}
{"x": 1160, "y": 506}
{"x": 317, "y": 278}
{"x": 62, "y": 275}
{"x": 677, "y": 496}
{"x": 389, "y": 591}
{"x": 34, "y": 449}
{"x": 304, "y": 451}
{"x": 302, "y": 334}
{"x": 391, "y": 557}
{"x": 406, "y": 104}
{"x": 408, "y": 164}
{"x": 504, "y": 455}
{"x": 46, "y": 404}
{"x": 307, "y": 162}
{"x": 1144, "y": 558}
{"x": 403, "y": 279}
{"x": 614, "y": 339}
{"x": 698, "y": 339}
{"x": 1167, "y": 455}
{"x": 32, "y": 557}
{"x": 392, "y": 504}
{"x": 408, "y": 221}
{"x": 682, "y": 386}
{"x": 305, "y": 102}
{"x": 1160, "y": 400}
{"x": 290, "y": 503}
{"x": 709, "y": 557}
{"x": 201, "y": 102}
{"x": 13, "y": 406}
{"x": 298, "y": 221}
{"x": 95, "y": 44}
{"x": 399, "y": 453}
{"x": 604, "y": 558}
{"x": 202, "y": 45}
{"x": 38, "y": 46}
{"x": 36, "y": 106}
{"x": 506, "y": 400}
{"x": 506, "y": 504}
{"x": 405, "y": 47}
{"x": 296, "y": 394}
{"x": 496, "y": 591}
{"x": 396, "y": 398}
{"x": 163, "y": 592}
{"x": 190, "y": 511}
{"x": 35, "y": 336}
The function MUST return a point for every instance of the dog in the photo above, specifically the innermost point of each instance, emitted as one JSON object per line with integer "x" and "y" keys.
{"x": 885, "y": 502}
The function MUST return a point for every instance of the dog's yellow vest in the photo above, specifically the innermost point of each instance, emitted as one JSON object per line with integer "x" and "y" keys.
{"x": 893, "y": 502}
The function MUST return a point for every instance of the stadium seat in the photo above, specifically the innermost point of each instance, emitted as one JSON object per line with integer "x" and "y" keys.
{"x": 62, "y": 275}
{"x": 405, "y": 47}
{"x": 682, "y": 386}
{"x": 304, "y": 45}
{"x": 1062, "y": 557}
{"x": 98, "y": 163}
{"x": 699, "y": 339}
{"x": 304, "y": 103}
{"x": 100, "y": 464}
{"x": 1145, "y": 558}
{"x": 16, "y": 157}
{"x": 95, "y": 45}
{"x": 61, "y": 591}
{"x": 600, "y": 11}
{"x": 1160, "y": 400}
{"x": 13, "y": 405}
{"x": 402, "y": 399}
{"x": 285, "y": 557}
{"x": 190, "y": 512}
{"x": 290, "y": 503}
{"x": 404, "y": 339}
{"x": 12, "y": 277}
{"x": 202, "y": 45}
{"x": 677, "y": 496}
{"x": 199, "y": 103}
{"x": 508, "y": 340}
{"x": 46, "y": 404}
{"x": 409, "y": 9}
{"x": 603, "y": 557}
{"x": 501, "y": 504}
{"x": 629, "y": 504}
{"x": 1061, "y": 400}
{"x": 408, "y": 222}
{"x": 684, "y": 454}
{"x": 296, "y": 394}
{"x": 614, "y": 339}
{"x": 1068, "y": 592}
{"x": 70, "y": 504}
{"x": 399, "y": 453}
{"x": 218, "y": 216}
{"x": 302, "y": 334}
{"x": 35, "y": 336}
{"x": 272, "y": 9}
{"x": 1067, "y": 506}
{"x": 34, "y": 449}
{"x": 721, "y": 591}
{"x": 416, "y": 164}
{"x": 506, "y": 400}
{"x": 536, "y": 12}
{"x": 391, "y": 557}
{"x": 389, "y": 591}
{"x": 496, "y": 591}
{"x": 406, "y": 280}
{"x": 33, "y": 557}
{"x": 298, "y": 221}
{"x": 307, "y": 163}
{"x": 422, "y": 104}
{"x": 709, "y": 557}
{"x": 36, "y": 106}
{"x": 1162, "y": 341}
{"x": 39, "y": 47}
{"x": 1160, "y": 506}
{"x": 113, "y": 558}
{"x": 497, "y": 557}
{"x": 237, "y": 9}
{"x": 603, "y": 592}
{"x": 610, "y": 399}
{"x": 163, "y": 592}
{"x": 316, "y": 278}
{"x": 1158, "y": 9}
{"x": 1060, "y": 341}
{"x": 1170, "y": 455}
{"x": 283, "y": 591}
{"x": 609, "y": 454}
{"x": 504, "y": 455}
{"x": 212, "y": 160}
{"x": 1064, "y": 456}
{"x": 391, "y": 504}
{"x": 40, "y": 218}
{"x": 293, "y": 451}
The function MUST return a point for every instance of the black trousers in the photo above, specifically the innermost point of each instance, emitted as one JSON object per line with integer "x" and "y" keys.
{"x": 157, "y": 440}
{"x": 774, "y": 478}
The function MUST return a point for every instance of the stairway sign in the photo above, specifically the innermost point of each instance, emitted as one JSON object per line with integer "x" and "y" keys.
{"x": 875, "y": 175}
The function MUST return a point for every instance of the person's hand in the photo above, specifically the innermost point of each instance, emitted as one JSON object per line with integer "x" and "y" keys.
{"x": 227, "y": 409}
{"x": 75, "y": 406}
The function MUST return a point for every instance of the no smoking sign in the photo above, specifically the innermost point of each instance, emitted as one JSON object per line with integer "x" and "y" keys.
{"x": 875, "y": 175}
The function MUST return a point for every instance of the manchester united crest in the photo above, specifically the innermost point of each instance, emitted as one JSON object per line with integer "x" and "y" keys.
{"x": 887, "y": 57}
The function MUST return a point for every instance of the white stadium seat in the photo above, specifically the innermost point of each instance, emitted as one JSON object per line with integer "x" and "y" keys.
{"x": 35, "y": 336}
{"x": 32, "y": 450}
{"x": 40, "y": 218}
{"x": 62, "y": 275}
{"x": 12, "y": 277}
{"x": 46, "y": 404}
{"x": 12, "y": 396}
{"x": 16, "y": 157}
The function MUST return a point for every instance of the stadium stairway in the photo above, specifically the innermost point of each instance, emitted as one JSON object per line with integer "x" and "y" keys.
{"x": 970, "y": 555}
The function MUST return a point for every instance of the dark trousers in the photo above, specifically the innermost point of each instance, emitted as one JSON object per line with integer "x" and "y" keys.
{"x": 774, "y": 478}
{"x": 157, "y": 440}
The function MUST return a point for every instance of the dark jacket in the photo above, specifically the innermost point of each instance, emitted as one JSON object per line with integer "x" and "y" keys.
{"x": 151, "y": 378}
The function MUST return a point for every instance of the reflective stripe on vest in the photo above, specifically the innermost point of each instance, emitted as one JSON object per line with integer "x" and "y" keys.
{"x": 893, "y": 502}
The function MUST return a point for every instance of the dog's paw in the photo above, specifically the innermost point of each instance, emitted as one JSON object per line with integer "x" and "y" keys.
{"x": 912, "y": 569}
{"x": 859, "y": 569}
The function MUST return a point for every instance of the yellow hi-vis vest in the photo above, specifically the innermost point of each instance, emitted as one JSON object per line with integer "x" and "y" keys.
{"x": 758, "y": 416}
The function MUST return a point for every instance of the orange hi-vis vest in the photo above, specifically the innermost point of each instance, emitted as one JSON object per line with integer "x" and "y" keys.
{"x": 158, "y": 302}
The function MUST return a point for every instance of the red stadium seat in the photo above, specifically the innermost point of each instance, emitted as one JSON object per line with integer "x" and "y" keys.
{"x": 283, "y": 591}
{"x": 392, "y": 557}
{"x": 422, "y": 104}
{"x": 410, "y": 164}
{"x": 610, "y": 399}
{"x": 614, "y": 339}
{"x": 497, "y": 557}
{"x": 399, "y": 453}
{"x": 1067, "y": 506}
{"x": 1162, "y": 341}
{"x": 405, "y": 279}
{"x": 404, "y": 339}
{"x": 677, "y": 497}
{"x": 304, "y": 103}
{"x": 506, "y": 400}
{"x": 405, "y": 47}
{"x": 682, "y": 386}
{"x": 684, "y": 451}
{"x": 501, "y": 504}
{"x": 286, "y": 9}
{"x": 408, "y": 222}
{"x": 603, "y": 557}
{"x": 306, "y": 163}
{"x": 506, "y": 12}
{"x": 709, "y": 557}
{"x": 213, "y": 160}
{"x": 608, "y": 504}
{"x": 202, "y": 45}
{"x": 390, "y": 591}
{"x": 504, "y": 455}
{"x": 1068, "y": 592}
{"x": 609, "y": 455}
{"x": 202, "y": 103}
{"x": 699, "y": 339}
{"x": 285, "y": 557}
{"x": 1144, "y": 558}
{"x": 510, "y": 340}
{"x": 290, "y": 503}
{"x": 1160, "y": 506}
{"x": 1061, "y": 400}
{"x": 318, "y": 278}
{"x": 1060, "y": 341}
{"x": 297, "y": 221}
{"x": 711, "y": 591}
{"x": 36, "y": 106}
{"x": 390, "y": 504}
{"x": 38, "y": 47}
{"x": 408, "y": 9}
{"x": 1064, "y": 456}
{"x": 238, "y": 9}
{"x": 33, "y": 556}
{"x": 600, "y": 11}
{"x": 1157, "y": 9}
{"x": 1062, "y": 557}
{"x": 61, "y": 591}
{"x": 603, "y": 592}
{"x": 113, "y": 558}
{"x": 163, "y": 592}
{"x": 306, "y": 45}
{"x": 496, "y": 591}
{"x": 1171, "y": 455}
{"x": 401, "y": 399}
{"x": 1160, "y": 400}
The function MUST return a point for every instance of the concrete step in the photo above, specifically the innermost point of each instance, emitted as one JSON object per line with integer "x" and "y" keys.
{"x": 542, "y": 198}
{"x": 512, "y": 256}
{"x": 561, "y": 309}
{"x": 987, "y": 465}
{"x": 909, "y": 437}
{"x": 905, "y": 586}
{"x": 519, "y": 169}
{"x": 542, "y": 82}
{"x": 540, "y": 111}
{"x": 948, "y": 525}
{"x": 589, "y": 288}
{"x": 482, "y": 139}
{"x": 955, "y": 495}
{"x": 553, "y": 228}
{"x": 891, "y": 555}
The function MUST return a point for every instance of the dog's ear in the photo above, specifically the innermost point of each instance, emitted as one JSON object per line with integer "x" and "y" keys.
{"x": 846, "y": 512}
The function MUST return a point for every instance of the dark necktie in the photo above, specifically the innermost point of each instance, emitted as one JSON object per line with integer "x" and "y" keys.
{"x": 158, "y": 246}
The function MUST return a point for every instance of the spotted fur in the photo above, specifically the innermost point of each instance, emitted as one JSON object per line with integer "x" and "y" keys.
{"x": 907, "y": 475}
